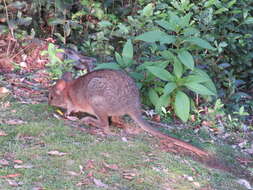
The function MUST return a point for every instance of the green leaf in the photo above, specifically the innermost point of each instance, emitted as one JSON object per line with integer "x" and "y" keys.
{"x": 190, "y": 31}
{"x": 160, "y": 73}
{"x": 167, "y": 39}
{"x": 200, "y": 42}
{"x": 55, "y": 21}
{"x": 153, "y": 96}
{"x": 151, "y": 36}
{"x": 168, "y": 55}
{"x": 148, "y": 10}
{"x": 194, "y": 78}
{"x": 182, "y": 106}
{"x": 209, "y": 3}
{"x": 187, "y": 59}
{"x": 231, "y": 3}
{"x": 107, "y": 66}
{"x": 221, "y": 10}
{"x": 161, "y": 64}
{"x": 166, "y": 25}
{"x": 201, "y": 73}
{"x": 169, "y": 87}
{"x": 127, "y": 52}
{"x": 210, "y": 85}
{"x": 178, "y": 68}
{"x": 156, "y": 36}
{"x": 249, "y": 20}
{"x": 185, "y": 20}
{"x": 199, "y": 88}
{"x": 163, "y": 101}
{"x": 119, "y": 59}
{"x": 104, "y": 24}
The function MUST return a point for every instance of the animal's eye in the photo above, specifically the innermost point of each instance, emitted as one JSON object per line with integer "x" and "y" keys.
{"x": 50, "y": 97}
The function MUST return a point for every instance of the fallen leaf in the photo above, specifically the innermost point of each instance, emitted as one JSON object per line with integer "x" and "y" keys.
{"x": 23, "y": 166}
{"x": 12, "y": 183}
{"x": 99, "y": 183}
{"x": 124, "y": 139}
{"x": 4, "y": 92}
{"x": 2, "y": 133}
{"x": 111, "y": 166}
{"x": 37, "y": 188}
{"x": 129, "y": 175}
{"x": 4, "y": 162}
{"x": 84, "y": 182}
{"x": 18, "y": 161}
{"x": 90, "y": 174}
{"x": 196, "y": 184}
{"x": 156, "y": 118}
{"x": 72, "y": 118}
{"x": 11, "y": 175}
{"x": 23, "y": 64}
{"x": 56, "y": 153}
{"x": 245, "y": 183}
{"x": 73, "y": 173}
{"x": 89, "y": 164}
{"x": 15, "y": 122}
{"x": 5, "y": 105}
{"x": 59, "y": 112}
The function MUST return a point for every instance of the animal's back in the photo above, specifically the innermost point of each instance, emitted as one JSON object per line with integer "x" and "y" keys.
{"x": 111, "y": 91}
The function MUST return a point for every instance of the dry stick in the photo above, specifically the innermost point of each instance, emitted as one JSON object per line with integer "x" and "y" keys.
{"x": 20, "y": 51}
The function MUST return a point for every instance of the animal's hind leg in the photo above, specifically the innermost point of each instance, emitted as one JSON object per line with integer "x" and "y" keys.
{"x": 118, "y": 122}
{"x": 102, "y": 121}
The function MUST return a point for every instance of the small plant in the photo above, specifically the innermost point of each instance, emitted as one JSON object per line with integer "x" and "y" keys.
{"x": 56, "y": 66}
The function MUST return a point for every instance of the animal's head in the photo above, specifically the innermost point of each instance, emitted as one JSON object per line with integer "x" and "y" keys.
{"x": 58, "y": 93}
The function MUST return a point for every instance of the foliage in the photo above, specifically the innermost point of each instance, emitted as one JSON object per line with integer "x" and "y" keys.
{"x": 168, "y": 37}
{"x": 56, "y": 66}
{"x": 175, "y": 52}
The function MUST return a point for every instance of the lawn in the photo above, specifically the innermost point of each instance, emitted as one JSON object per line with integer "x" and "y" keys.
{"x": 42, "y": 152}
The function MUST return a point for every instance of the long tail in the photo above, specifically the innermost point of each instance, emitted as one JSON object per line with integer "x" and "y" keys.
{"x": 148, "y": 128}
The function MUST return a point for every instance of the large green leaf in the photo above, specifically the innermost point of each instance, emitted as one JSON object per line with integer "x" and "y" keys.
{"x": 128, "y": 50}
{"x": 200, "y": 42}
{"x": 166, "y": 25}
{"x": 186, "y": 58}
{"x": 127, "y": 53}
{"x": 182, "y": 106}
{"x": 199, "y": 88}
{"x": 156, "y": 36}
{"x": 169, "y": 87}
{"x": 167, "y": 39}
{"x": 210, "y": 85}
{"x": 201, "y": 73}
{"x": 163, "y": 101}
{"x": 119, "y": 59}
{"x": 153, "y": 96}
{"x": 178, "y": 68}
{"x": 151, "y": 36}
{"x": 161, "y": 64}
{"x": 148, "y": 10}
{"x": 194, "y": 78}
{"x": 160, "y": 73}
{"x": 168, "y": 55}
{"x": 249, "y": 20}
{"x": 108, "y": 66}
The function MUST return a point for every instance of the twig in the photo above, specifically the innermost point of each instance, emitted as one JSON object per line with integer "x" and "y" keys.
{"x": 161, "y": 124}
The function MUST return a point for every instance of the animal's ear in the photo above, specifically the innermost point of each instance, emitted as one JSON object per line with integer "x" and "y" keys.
{"x": 59, "y": 86}
{"x": 67, "y": 76}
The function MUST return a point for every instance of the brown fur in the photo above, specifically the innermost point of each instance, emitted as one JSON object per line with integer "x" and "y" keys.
{"x": 105, "y": 93}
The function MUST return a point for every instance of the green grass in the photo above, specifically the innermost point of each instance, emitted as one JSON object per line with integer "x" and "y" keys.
{"x": 140, "y": 163}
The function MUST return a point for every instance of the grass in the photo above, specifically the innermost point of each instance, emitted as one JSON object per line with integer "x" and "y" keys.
{"x": 94, "y": 162}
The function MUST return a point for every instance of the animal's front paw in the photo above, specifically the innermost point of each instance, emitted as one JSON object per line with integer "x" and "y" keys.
{"x": 89, "y": 121}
